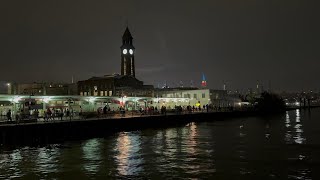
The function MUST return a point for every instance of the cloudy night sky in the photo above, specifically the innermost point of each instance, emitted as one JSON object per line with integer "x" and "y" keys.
{"x": 239, "y": 42}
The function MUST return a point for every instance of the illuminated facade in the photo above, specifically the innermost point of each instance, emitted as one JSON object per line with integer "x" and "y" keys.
{"x": 217, "y": 98}
{"x": 28, "y": 104}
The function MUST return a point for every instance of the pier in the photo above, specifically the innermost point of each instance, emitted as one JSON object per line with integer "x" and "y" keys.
{"x": 43, "y": 132}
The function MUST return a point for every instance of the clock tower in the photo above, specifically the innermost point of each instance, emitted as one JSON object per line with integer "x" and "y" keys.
{"x": 127, "y": 54}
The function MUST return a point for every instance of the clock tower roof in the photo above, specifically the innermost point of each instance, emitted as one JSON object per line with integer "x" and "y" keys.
{"x": 127, "y": 34}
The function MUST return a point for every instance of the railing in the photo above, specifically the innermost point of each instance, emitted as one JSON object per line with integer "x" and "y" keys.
{"x": 111, "y": 115}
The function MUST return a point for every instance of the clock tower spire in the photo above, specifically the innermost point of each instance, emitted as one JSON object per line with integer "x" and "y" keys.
{"x": 127, "y": 54}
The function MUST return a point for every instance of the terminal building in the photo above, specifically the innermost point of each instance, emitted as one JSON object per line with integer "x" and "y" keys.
{"x": 36, "y": 88}
{"x": 124, "y": 84}
{"x": 114, "y": 91}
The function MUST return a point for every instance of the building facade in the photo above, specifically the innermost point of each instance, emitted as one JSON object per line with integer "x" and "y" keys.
{"x": 200, "y": 97}
{"x": 120, "y": 85}
{"x": 35, "y": 88}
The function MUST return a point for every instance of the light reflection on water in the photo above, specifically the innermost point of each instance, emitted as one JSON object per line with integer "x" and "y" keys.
{"x": 242, "y": 148}
{"x": 295, "y": 135}
{"x": 127, "y": 156}
{"x": 92, "y": 155}
{"x": 294, "y": 132}
{"x": 47, "y": 161}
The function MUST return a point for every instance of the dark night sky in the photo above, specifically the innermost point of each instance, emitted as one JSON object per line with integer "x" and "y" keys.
{"x": 229, "y": 40}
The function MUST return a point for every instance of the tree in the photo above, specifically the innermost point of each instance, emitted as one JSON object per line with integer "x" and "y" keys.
{"x": 269, "y": 102}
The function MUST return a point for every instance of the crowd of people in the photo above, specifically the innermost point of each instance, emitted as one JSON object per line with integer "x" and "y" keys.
{"x": 51, "y": 114}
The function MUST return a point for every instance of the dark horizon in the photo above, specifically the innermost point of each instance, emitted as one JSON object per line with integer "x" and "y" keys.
{"x": 239, "y": 43}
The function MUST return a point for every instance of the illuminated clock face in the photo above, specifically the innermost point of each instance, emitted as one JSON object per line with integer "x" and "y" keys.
{"x": 125, "y": 51}
{"x": 131, "y": 51}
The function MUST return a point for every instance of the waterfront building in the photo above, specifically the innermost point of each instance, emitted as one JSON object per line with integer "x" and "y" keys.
{"x": 124, "y": 84}
{"x": 43, "y": 88}
{"x": 28, "y": 104}
{"x": 196, "y": 97}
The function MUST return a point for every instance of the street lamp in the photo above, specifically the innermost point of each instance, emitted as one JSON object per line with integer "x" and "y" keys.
{"x": 9, "y": 88}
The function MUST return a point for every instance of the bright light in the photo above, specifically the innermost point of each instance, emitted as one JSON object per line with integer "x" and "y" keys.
{"x": 91, "y": 99}
{"x": 131, "y": 51}
{"x": 125, "y": 51}
{"x": 297, "y": 104}
{"x": 46, "y": 99}
{"x": 8, "y": 84}
{"x": 16, "y": 99}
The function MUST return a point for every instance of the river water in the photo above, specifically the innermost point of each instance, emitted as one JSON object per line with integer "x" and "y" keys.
{"x": 285, "y": 146}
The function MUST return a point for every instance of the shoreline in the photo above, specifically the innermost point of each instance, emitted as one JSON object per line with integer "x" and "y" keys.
{"x": 39, "y": 133}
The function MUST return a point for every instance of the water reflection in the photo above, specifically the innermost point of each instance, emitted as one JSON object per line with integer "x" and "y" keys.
{"x": 128, "y": 158}
{"x": 191, "y": 148}
{"x": 10, "y": 165}
{"x": 295, "y": 135}
{"x": 287, "y": 119}
{"x": 47, "y": 160}
{"x": 240, "y": 148}
{"x": 14, "y": 162}
{"x": 192, "y": 141}
{"x": 92, "y": 155}
{"x": 298, "y": 116}
{"x": 294, "y": 131}
{"x": 298, "y": 138}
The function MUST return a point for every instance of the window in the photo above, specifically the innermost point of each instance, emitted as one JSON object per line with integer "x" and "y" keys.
{"x": 101, "y": 93}
{"x": 105, "y": 93}
{"x": 203, "y": 95}
{"x": 81, "y": 93}
{"x": 110, "y": 93}
{"x": 95, "y": 88}
{"x": 195, "y": 96}
{"x": 185, "y": 95}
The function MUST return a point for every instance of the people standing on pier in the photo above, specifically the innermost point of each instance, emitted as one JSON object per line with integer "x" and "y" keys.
{"x": 80, "y": 113}
{"x": 9, "y": 115}
{"x": 68, "y": 114}
{"x": 36, "y": 114}
{"x": 61, "y": 114}
{"x": 105, "y": 110}
{"x": 49, "y": 114}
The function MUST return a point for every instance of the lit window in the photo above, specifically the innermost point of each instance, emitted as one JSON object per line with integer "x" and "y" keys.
{"x": 203, "y": 95}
